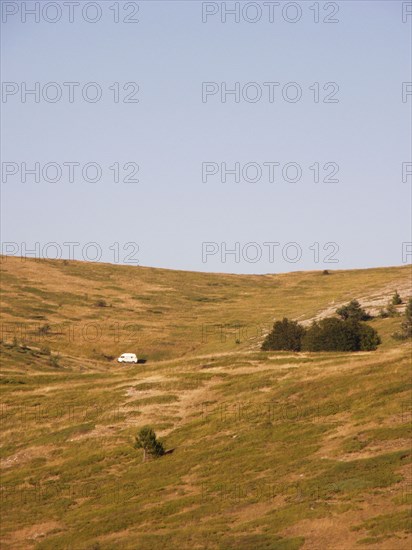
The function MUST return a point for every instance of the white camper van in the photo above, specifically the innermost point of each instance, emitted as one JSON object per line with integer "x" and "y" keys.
{"x": 127, "y": 358}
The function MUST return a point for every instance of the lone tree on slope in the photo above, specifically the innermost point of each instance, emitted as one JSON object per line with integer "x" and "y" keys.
{"x": 146, "y": 439}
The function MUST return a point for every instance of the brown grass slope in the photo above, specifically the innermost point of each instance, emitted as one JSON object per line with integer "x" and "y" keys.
{"x": 270, "y": 450}
{"x": 161, "y": 314}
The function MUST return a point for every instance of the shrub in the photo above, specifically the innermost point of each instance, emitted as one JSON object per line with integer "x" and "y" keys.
{"x": 54, "y": 361}
{"x": 285, "y": 335}
{"x": 353, "y": 311}
{"x": 333, "y": 334}
{"x": 369, "y": 339}
{"x": 44, "y": 330}
{"x": 391, "y": 310}
{"x": 406, "y": 326}
{"x": 383, "y": 313}
{"x": 396, "y": 299}
{"x": 101, "y": 303}
{"x": 146, "y": 439}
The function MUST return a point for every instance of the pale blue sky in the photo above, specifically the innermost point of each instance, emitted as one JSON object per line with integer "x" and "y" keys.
{"x": 170, "y": 132}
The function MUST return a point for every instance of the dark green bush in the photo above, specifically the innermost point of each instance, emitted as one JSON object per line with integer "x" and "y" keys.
{"x": 333, "y": 334}
{"x": 353, "y": 311}
{"x": 369, "y": 339}
{"x": 285, "y": 335}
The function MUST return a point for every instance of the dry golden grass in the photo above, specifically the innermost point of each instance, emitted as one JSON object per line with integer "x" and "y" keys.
{"x": 270, "y": 450}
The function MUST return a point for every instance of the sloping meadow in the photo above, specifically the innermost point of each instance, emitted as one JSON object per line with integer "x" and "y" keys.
{"x": 264, "y": 450}
{"x": 256, "y": 445}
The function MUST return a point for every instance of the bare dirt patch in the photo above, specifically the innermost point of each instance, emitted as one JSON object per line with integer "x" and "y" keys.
{"x": 28, "y": 537}
{"x": 26, "y": 455}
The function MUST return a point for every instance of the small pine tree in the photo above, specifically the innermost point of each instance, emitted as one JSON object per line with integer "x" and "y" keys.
{"x": 353, "y": 311}
{"x": 146, "y": 439}
{"x": 396, "y": 299}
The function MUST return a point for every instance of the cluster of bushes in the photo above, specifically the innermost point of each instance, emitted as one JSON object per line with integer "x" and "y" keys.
{"x": 348, "y": 332}
{"x": 390, "y": 310}
{"x": 333, "y": 334}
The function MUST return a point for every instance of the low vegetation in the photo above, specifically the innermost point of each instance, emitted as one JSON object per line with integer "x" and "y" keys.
{"x": 340, "y": 335}
{"x": 353, "y": 312}
{"x": 406, "y": 325}
{"x": 346, "y": 333}
{"x": 396, "y": 299}
{"x": 146, "y": 439}
{"x": 285, "y": 335}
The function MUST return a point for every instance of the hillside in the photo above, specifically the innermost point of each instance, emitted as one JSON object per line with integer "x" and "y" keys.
{"x": 266, "y": 450}
{"x": 162, "y": 314}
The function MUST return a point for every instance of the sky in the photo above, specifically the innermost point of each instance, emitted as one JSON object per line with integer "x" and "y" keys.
{"x": 238, "y": 137}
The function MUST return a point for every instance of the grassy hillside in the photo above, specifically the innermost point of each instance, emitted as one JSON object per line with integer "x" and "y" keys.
{"x": 266, "y": 450}
{"x": 161, "y": 314}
